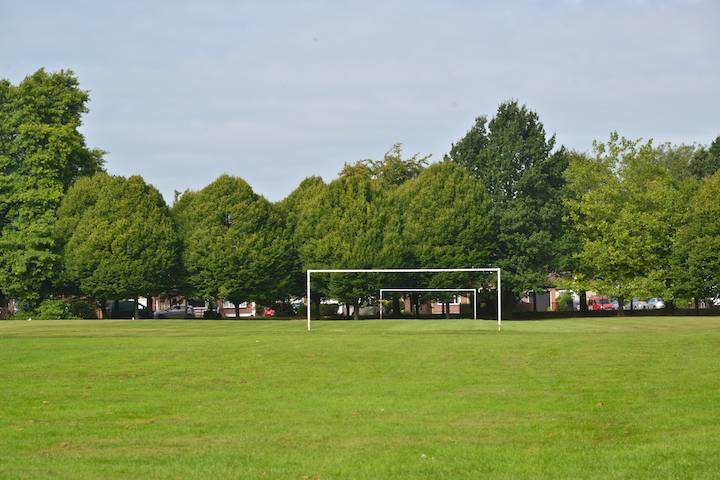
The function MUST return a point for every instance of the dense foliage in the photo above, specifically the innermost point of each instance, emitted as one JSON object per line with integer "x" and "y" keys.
{"x": 42, "y": 153}
{"x": 234, "y": 244}
{"x": 629, "y": 219}
{"x": 118, "y": 238}
{"x": 626, "y": 206}
{"x": 514, "y": 158}
{"x": 445, "y": 224}
{"x": 49, "y": 310}
{"x": 696, "y": 261}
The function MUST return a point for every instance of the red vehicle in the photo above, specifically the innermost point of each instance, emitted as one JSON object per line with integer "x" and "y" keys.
{"x": 268, "y": 312}
{"x": 601, "y": 303}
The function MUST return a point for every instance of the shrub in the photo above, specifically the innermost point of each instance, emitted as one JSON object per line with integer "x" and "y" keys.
{"x": 48, "y": 310}
{"x": 83, "y": 309}
{"x": 326, "y": 310}
{"x": 329, "y": 309}
{"x": 283, "y": 310}
{"x": 565, "y": 302}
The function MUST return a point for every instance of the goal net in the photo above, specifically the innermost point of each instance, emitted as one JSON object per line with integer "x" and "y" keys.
{"x": 472, "y": 291}
{"x": 492, "y": 270}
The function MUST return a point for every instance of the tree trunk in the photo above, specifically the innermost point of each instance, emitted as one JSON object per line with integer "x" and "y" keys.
{"x": 316, "y": 301}
{"x": 583, "y": 302}
{"x": 347, "y": 311}
{"x": 632, "y": 306}
{"x": 396, "y": 305}
{"x": 149, "y": 306}
{"x": 697, "y": 307}
{"x": 447, "y": 311}
{"x": 621, "y": 310}
{"x": 137, "y": 310}
{"x": 534, "y": 300}
{"x": 508, "y": 303}
{"x": 356, "y": 310}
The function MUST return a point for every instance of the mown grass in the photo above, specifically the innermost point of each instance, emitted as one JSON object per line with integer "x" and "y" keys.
{"x": 578, "y": 398}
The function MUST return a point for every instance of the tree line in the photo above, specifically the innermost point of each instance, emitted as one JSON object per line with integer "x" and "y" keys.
{"x": 630, "y": 218}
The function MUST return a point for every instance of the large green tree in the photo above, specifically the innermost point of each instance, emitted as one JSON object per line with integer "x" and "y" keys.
{"x": 446, "y": 224}
{"x": 388, "y": 174}
{"x": 516, "y": 161}
{"x": 696, "y": 248}
{"x": 235, "y": 244}
{"x": 626, "y": 204}
{"x": 356, "y": 231}
{"x": 303, "y": 209}
{"x": 118, "y": 239}
{"x": 42, "y": 153}
{"x": 355, "y": 213}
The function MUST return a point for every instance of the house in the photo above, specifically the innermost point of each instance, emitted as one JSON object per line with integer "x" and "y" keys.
{"x": 460, "y": 304}
{"x": 226, "y": 309}
{"x": 546, "y": 300}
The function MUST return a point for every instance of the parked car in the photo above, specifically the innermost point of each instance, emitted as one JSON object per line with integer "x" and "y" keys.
{"x": 637, "y": 304}
{"x": 601, "y": 303}
{"x": 125, "y": 309}
{"x": 655, "y": 303}
{"x": 176, "y": 311}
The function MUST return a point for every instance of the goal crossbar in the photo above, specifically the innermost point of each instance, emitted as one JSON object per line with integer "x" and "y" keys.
{"x": 408, "y": 290}
{"x": 495, "y": 270}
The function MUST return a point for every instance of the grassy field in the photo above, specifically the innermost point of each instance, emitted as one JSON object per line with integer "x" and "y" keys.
{"x": 580, "y": 398}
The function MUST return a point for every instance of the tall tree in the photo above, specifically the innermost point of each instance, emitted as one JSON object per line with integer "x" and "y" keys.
{"x": 626, "y": 206}
{"x": 514, "y": 159}
{"x": 356, "y": 232}
{"x": 42, "y": 152}
{"x": 389, "y": 173}
{"x": 321, "y": 216}
{"x": 446, "y": 224}
{"x": 235, "y": 244}
{"x": 118, "y": 239}
{"x": 696, "y": 248}
{"x": 304, "y": 211}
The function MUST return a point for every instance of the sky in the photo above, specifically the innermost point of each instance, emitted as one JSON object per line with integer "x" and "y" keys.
{"x": 274, "y": 91}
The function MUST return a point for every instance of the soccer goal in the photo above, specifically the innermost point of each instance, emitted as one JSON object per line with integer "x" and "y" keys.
{"x": 410, "y": 290}
{"x": 494, "y": 270}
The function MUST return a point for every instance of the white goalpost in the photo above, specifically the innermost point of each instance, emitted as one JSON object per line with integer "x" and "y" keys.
{"x": 407, "y": 270}
{"x": 473, "y": 290}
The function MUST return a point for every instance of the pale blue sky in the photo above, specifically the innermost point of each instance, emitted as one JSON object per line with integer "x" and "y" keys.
{"x": 277, "y": 91}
